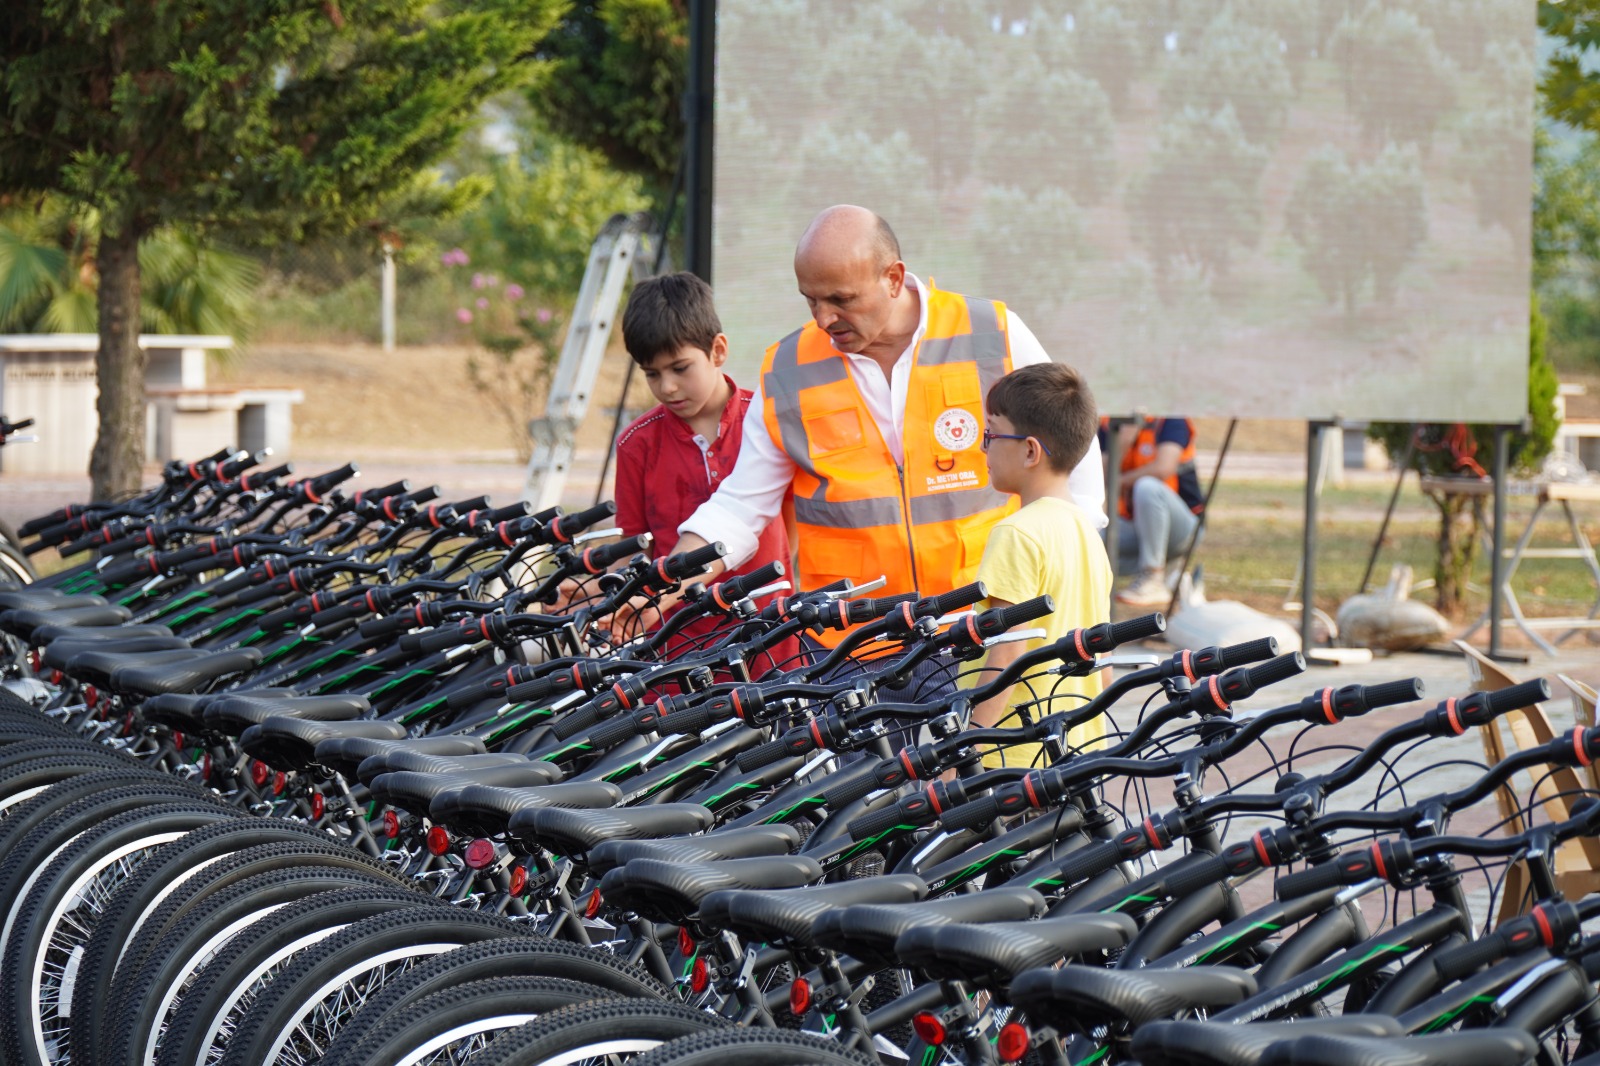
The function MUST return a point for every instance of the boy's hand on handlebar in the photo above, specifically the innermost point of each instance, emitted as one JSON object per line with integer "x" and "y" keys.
{"x": 632, "y": 618}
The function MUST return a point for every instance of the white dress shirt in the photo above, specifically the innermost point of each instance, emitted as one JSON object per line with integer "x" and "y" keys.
{"x": 753, "y": 494}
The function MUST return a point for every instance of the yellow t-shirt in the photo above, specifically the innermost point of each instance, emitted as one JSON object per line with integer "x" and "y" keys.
{"x": 1050, "y": 548}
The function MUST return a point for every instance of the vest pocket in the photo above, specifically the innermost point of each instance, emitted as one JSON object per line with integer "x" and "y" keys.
{"x": 834, "y": 431}
{"x": 824, "y": 559}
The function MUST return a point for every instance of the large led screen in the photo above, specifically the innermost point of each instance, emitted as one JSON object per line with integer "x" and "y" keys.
{"x": 1263, "y": 208}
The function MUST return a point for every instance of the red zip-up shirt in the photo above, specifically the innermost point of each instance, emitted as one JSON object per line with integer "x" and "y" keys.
{"x": 664, "y": 474}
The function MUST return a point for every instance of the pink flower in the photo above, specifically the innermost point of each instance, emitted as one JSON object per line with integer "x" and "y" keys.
{"x": 483, "y": 303}
{"x": 454, "y": 257}
{"x": 544, "y": 316}
{"x": 478, "y": 281}
{"x": 514, "y": 291}
{"x": 491, "y": 281}
{"x": 463, "y": 316}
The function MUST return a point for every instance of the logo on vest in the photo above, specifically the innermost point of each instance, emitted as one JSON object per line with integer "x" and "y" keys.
{"x": 956, "y": 429}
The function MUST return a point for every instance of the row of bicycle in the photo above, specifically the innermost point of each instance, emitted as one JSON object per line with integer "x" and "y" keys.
{"x": 293, "y": 773}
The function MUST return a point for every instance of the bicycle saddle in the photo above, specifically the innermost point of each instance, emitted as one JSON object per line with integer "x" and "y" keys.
{"x": 345, "y": 748}
{"x": 671, "y": 891}
{"x": 91, "y": 634}
{"x": 567, "y": 832}
{"x": 1072, "y": 996}
{"x": 747, "y": 843}
{"x": 46, "y": 599}
{"x": 185, "y": 676}
{"x": 286, "y": 744}
{"x": 98, "y": 666}
{"x": 416, "y": 790}
{"x": 870, "y": 930}
{"x": 994, "y": 954}
{"x": 1222, "y": 1044}
{"x": 788, "y": 917}
{"x": 466, "y": 764}
{"x": 22, "y": 621}
{"x": 234, "y": 713}
{"x": 486, "y": 810}
{"x": 63, "y": 654}
{"x": 1480, "y": 1047}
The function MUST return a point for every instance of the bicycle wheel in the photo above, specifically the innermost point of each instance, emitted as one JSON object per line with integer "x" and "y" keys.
{"x": 305, "y": 1007}
{"x": 202, "y": 852}
{"x": 753, "y": 1047}
{"x": 57, "y": 918}
{"x": 605, "y": 1032}
{"x": 529, "y": 956}
{"x": 14, "y": 565}
{"x": 450, "y": 1026}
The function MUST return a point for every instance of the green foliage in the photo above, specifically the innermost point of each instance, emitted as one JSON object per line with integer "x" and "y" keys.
{"x": 1015, "y": 232}
{"x": 1235, "y": 65}
{"x": 1566, "y": 210}
{"x": 1368, "y": 48}
{"x": 1074, "y": 149}
{"x": 48, "y": 280}
{"x": 1181, "y": 219}
{"x": 1358, "y": 225}
{"x": 616, "y": 83}
{"x": 1569, "y": 88}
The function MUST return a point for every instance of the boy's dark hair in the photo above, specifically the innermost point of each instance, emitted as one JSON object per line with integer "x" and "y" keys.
{"x": 1052, "y": 402}
{"x": 667, "y": 312}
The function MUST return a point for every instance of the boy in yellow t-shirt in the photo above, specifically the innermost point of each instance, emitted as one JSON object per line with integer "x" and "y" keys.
{"x": 1041, "y": 420}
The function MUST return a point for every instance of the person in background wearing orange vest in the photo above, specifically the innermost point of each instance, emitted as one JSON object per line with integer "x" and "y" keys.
{"x": 1160, "y": 504}
{"x": 871, "y": 415}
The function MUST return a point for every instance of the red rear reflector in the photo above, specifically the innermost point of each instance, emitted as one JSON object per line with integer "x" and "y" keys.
{"x": 519, "y": 881}
{"x": 594, "y": 905}
{"x": 480, "y": 854}
{"x": 929, "y": 1029}
{"x": 318, "y": 805}
{"x": 177, "y": 739}
{"x": 391, "y": 824}
{"x": 91, "y": 697}
{"x": 259, "y": 773}
{"x": 799, "y": 997}
{"x": 438, "y": 840}
{"x": 685, "y": 942}
{"x": 700, "y": 976}
{"x": 1013, "y": 1042}
{"x": 280, "y": 781}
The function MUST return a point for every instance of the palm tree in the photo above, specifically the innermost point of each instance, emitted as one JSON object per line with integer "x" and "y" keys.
{"x": 48, "y": 276}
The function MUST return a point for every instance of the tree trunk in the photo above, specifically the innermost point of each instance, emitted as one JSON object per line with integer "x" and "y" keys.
{"x": 116, "y": 465}
{"x": 1458, "y": 549}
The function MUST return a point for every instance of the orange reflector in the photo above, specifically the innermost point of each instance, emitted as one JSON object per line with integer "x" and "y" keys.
{"x": 318, "y": 805}
{"x": 391, "y": 824}
{"x": 928, "y": 1027}
{"x": 519, "y": 881}
{"x": 594, "y": 904}
{"x": 91, "y": 697}
{"x": 685, "y": 942}
{"x": 1013, "y": 1042}
{"x": 480, "y": 854}
{"x": 259, "y": 772}
{"x": 799, "y": 997}
{"x": 700, "y": 976}
{"x": 438, "y": 840}
{"x": 280, "y": 781}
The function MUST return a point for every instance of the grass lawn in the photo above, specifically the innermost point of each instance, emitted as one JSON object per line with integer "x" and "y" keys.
{"x": 1251, "y": 551}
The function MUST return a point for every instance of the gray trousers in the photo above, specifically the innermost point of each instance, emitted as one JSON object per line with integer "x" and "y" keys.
{"x": 1160, "y": 528}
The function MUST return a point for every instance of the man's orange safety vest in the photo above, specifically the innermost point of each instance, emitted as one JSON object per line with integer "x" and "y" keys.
{"x": 1143, "y": 451}
{"x": 923, "y": 525}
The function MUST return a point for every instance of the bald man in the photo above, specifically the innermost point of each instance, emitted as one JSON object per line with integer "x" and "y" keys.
{"x": 873, "y": 415}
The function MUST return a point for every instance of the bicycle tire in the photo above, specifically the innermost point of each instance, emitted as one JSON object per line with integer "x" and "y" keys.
{"x": 59, "y": 915}
{"x": 138, "y": 899}
{"x": 587, "y": 1031}
{"x": 753, "y": 1047}
{"x": 300, "y": 1005}
{"x": 450, "y": 1025}
{"x": 531, "y": 956}
{"x": 201, "y": 1017}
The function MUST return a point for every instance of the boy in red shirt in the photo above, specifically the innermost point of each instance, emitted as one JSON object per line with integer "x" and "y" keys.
{"x": 674, "y": 456}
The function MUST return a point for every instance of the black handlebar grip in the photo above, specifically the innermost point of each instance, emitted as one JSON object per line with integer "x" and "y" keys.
{"x": 394, "y": 488}
{"x": 102, "y": 536}
{"x": 255, "y": 480}
{"x": 867, "y": 610}
{"x": 124, "y": 574}
{"x": 24, "y": 424}
{"x": 1524, "y": 695}
{"x": 153, "y": 536}
{"x": 467, "y": 506}
{"x": 563, "y": 529}
{"x": 608, "y": 734}
{"x": 1392, "y": 693}
{"x": 972, "y": 815}
{"x": 548, "y": 515}
{"x": 426, "y": 494}
{"x": 579, "y": 719}
{"x": 881, "y": 821}
{"x": 1465, "y": 959}
{"x": 1195, "y": 874}
{"x": 1275, "y": 670}
{"x": 232, "y": 468}
{"x": 1027, "y": 611}
{"x": 54, "y": 518}
{"x": 599, "y": 559}
{"x": 398, "y": 622}
{"x": 956, "y": 599}
{"x": 731, "y": 591}
{"x": 692, "y": 563}
{"x": 1330, "y": 874}
{"x": 323, "y": 482}
{"x": 690, "y": 720}
{"x": 511, "y": 512}
{"x": 850, "y": 791}
{"x": 446, "y": 637}
{"x": 1251, "y": 651}
{"x": 1142, "y": 628}
{"x": 1088, "y": 861}
{"x": 767, "y": 754}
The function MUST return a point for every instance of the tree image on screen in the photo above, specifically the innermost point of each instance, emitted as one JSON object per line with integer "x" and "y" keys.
{"x": 1277, "y": 208}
